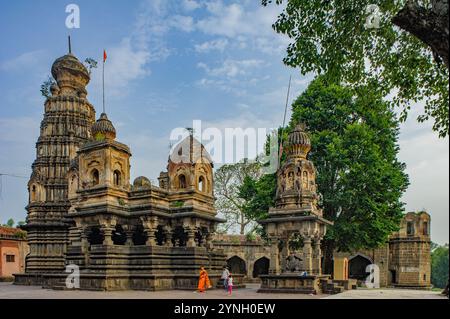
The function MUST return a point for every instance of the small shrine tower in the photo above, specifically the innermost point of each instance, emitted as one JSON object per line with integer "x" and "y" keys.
{"x": 295, "y": 225}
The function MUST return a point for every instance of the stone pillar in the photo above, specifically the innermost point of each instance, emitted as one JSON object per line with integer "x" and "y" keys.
{"x": 84, "y": 239}
{"x": 317, "y": 257}
{"x": 284, "y": 253}
{"x": 129, "y": 233}
{"x": 190, "y": 237}
{"x": 274, "y": 267}
{"x": 209, "y": 241}
{"x": 107, "y": 233}
{"x": 168, "y": 238}
{"x": 307, "y": 255}
{"x": 151, "y": 237}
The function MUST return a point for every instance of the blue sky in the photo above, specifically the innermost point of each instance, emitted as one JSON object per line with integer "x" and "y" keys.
{"x": 169, "y": 63}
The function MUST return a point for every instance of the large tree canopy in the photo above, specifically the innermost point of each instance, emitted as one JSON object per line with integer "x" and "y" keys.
{"x": 439, "y": 266}
{"x": 405, "y": 55}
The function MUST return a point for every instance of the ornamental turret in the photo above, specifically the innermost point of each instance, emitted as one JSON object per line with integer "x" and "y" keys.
{"x": 297, "y": 176}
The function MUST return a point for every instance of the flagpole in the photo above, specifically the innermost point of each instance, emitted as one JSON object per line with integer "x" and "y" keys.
{"x": 103, "y": 82}
{"x": 284, "y": 121}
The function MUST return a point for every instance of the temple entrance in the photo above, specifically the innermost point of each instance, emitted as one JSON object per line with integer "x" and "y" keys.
{"x": 357, "y": 267}
{"x": 393, "y": 274}
{"x": 261, "y": 267}
{"x": 237, "y": 265}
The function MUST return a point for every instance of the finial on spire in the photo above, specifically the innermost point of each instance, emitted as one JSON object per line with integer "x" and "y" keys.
{"x": 70, "y": 46}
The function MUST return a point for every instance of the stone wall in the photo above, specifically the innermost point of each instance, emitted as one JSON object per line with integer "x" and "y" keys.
{"x": 250, "y": 252}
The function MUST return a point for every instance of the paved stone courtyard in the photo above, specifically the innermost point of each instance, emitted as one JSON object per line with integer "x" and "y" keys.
{"x": 10, "y": 291}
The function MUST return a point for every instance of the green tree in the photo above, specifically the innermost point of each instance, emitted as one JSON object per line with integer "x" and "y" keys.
{"x": 439, "y": 266}
{"x": 10, "y": 222}
{"x": 90, "y": 64}
{"x": 258, "y": 195}
{"x": 228, "y": 180}
{"x": 45, "y": 87}
{"x": 405, "y": 56}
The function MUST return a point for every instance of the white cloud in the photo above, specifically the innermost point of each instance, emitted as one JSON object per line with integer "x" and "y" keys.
{"x": 184, "y": 23}
{"x": 24, "y": 61}
{"x": 124, "y": 64}
{"x": 231, "y": 68}
{"x": 190, "y": 5}
{"x": 234, "y": 20}
{"x": 218, "y": 45}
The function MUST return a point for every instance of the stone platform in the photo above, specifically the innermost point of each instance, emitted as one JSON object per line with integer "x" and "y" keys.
{"x": 112, "y": 268}
{"x": 292, "y": 283}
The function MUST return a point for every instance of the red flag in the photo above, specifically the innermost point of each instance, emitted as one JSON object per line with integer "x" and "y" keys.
{"x": 104, "y": 56}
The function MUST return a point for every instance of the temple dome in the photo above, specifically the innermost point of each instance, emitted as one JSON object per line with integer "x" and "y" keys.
{"x": 70, "y": 74}
{"x": 141, "y": 181}
{"x": 103, "y": 128}
{"x": 299, "y": 142}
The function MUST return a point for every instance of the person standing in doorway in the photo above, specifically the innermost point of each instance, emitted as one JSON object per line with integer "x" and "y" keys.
{"x": 225, "y": 275}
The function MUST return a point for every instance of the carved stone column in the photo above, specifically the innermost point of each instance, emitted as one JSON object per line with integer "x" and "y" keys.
{"x": 274, "y": 267}
{"x": 107, "y": 233}
{"x": 84, "y": 239}
{"x": 284, "y": 253}
{"x": 129, "y": 233}
{"x": 208, "y": 241}
{"x": 150, "y": 224}
{"x": 190, "y": 237}
{"x": 307, "y": 254}
{"x": 151, "y": 237}
{"x": 317, "y": 257}
{"x": 168, "y": 237}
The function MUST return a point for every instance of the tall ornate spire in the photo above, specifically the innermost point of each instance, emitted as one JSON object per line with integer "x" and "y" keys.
{"x": 68, "y": 118}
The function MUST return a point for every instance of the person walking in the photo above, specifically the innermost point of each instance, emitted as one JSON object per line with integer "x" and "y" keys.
{"x": 203, "y": 281}
{"x": 225, "y": 275}
{"x": 230, "y": 284}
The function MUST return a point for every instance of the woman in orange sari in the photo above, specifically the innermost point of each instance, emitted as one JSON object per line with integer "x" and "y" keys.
{"x": 203, "y": 282}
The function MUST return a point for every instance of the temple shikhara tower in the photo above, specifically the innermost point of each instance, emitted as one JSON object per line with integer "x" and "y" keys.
{"x": 84, "y": 212}
{"x": 295, "y": 225}
{"x": 67, "y": 123}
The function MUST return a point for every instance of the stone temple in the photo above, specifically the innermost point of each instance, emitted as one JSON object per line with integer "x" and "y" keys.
{"x": 83, "y": 210}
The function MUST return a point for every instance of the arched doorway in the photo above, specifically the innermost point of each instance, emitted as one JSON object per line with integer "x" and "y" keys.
{"x": 237, "y": 265}
{"x": 261, "y": 267}
{"x": 357, "y": 267}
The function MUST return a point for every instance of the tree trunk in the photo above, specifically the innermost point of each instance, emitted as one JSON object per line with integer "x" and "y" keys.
{"x": 429, "y": 25}
{"x": 328, "y": 250}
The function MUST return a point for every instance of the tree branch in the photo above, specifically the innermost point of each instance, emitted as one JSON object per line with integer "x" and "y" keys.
{"x": 428, "y": 25}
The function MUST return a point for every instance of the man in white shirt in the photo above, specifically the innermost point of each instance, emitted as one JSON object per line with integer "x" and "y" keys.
{"x": 224, "y": 277}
